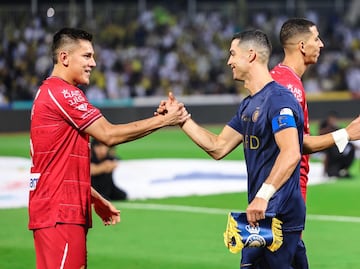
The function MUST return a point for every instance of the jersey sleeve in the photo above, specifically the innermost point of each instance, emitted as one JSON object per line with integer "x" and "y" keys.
{"x": 282, "y": 112}
{"x": 75, "y": 107}
{"x": 235, "y": 121}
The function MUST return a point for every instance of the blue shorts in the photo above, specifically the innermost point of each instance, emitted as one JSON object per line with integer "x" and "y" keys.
{"x": 263, "y": 258}
{"x": 300, "y": 258}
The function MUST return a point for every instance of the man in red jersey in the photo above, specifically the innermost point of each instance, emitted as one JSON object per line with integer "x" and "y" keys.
{"x": 62, "y": 120}
{"x": 302, "y": 44}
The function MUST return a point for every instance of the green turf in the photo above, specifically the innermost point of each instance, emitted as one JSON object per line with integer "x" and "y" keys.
{"x": 163, "y": 239}
{"x": 171, "y": 239}
{"x": 160, "y": 239}
{"x": 335, "y": 198}
{"x": 16, "y": 246}
{"x": 168, "y": 142}
{"x": 15, "y": 145}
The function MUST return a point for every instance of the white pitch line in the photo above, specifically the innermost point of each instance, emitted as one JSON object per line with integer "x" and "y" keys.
{"x": 220, "y": 211}
{"x": 333, "y": 218}
{"x": 176, "y": 208}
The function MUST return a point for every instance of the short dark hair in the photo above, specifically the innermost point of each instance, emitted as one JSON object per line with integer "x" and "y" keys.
{"x": 65, "y": 36}
{"x": 293, "y": 27}
{"x": 259, "y": 38}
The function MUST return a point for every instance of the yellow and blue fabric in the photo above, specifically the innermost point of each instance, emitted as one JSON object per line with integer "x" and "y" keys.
{"x": 240, "y": 234}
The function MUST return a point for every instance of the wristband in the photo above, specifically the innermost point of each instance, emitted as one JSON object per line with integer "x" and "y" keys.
{"x": 341, "y": 138}
{"x": 266, "y": 191}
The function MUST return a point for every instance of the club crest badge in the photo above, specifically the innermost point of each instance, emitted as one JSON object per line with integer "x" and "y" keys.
{"x": 254, "y": 238}
{"x": 240, "y": 234}
{"x": 255, "y": 115}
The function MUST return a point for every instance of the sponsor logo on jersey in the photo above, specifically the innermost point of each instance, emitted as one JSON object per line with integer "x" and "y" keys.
{"x": 34, "y": 178}
{"x": 82, "y": 107}
{"x": 73, "y": 97}
{"x": 296, "y": 92}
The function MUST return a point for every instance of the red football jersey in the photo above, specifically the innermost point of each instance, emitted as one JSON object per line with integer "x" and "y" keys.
{"x": 60, "y": 173}
{"x": 287, "y": 77}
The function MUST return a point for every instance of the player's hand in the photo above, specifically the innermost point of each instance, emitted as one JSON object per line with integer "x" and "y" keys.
{"x": 353, "y": 129}
{"x": 174, "y": 111}
{"x": 107, "y": 212}
{"x": 161, "y": 110}
{"x": 256, "y": 211}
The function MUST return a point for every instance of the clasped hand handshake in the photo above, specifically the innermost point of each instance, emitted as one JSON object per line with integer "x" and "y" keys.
{"x": 175, "y": 112}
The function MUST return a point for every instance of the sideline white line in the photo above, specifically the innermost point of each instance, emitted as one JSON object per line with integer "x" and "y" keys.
{"x": 220, "y": 211}
{"x": 333, "y": 218}
{"x": 176, "y": 208}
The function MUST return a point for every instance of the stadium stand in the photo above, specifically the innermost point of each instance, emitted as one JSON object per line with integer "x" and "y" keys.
{"x": 144, "y": 48}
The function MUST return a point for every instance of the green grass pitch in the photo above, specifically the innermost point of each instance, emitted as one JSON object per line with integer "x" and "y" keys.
{"x": 187, "y": 232}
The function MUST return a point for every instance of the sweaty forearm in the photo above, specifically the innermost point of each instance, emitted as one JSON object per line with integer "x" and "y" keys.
{"x": 114, "y": 134}
{"x": 283, "y": 168}
{"x": 318, "y": 143}
{"x": 201, "y": 137}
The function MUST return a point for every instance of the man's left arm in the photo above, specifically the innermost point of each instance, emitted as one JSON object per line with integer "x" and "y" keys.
{"x": 106, "y": 210}
{"x": 285, "y": 164}
{"x": 340, "y": 138}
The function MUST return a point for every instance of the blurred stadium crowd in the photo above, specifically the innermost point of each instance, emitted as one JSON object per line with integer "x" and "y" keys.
{"x": 148, "y": 52}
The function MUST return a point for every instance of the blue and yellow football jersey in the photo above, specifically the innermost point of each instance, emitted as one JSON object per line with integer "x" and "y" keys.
{"x": 258, "y": 118}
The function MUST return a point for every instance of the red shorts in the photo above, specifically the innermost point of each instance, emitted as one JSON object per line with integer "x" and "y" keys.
{"x": 61, "y": 247}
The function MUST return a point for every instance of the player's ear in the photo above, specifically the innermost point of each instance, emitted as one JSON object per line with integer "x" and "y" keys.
{"x": 64, "y": 58}
{"x": 302, "y": 46}
{"x": 252, "y": 55}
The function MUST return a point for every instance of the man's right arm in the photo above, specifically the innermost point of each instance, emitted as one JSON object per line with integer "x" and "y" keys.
{"x": 217, "y": 146}
{"x": 114, "y": 134}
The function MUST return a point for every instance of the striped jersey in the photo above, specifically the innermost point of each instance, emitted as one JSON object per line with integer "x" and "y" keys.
{"x": 59, "y": 185}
